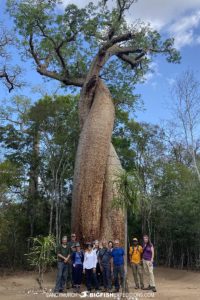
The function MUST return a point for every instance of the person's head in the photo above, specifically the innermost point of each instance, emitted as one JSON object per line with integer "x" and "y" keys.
{"x": 73, "y": 237}
{"x": 104, "y": 243}
{"x": 146, "y": 239}
{"x": 78, "y": 247}
{"x": 89, "y": 247}
{"x": 116, "y": 243}
{"x": 135, "y": 241}
{"x": 110, "y": 244}
{"x": 96, "y": 244}
{"x": 64, "y": 240}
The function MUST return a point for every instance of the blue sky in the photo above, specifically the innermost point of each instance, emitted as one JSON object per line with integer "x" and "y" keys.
{"x": 178, "y": 18}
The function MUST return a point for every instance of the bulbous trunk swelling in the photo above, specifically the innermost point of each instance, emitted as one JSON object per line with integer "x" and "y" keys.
{"x": 112, "y": 219}
{"x": 94, "y": 168}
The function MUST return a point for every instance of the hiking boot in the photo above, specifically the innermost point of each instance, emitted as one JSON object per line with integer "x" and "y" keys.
{"x": 153, "y": 289}
{"x": 136, "y": 287}
{"x": 142, "y": 287}
{"x": 56, "y": 292}
{"x": 149, "y": 288}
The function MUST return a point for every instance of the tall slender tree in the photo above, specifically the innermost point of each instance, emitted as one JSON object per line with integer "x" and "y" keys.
{"x": 186, "y": 95}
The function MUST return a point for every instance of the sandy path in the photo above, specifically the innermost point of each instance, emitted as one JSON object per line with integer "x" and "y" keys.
{"x": 171, "y": 284}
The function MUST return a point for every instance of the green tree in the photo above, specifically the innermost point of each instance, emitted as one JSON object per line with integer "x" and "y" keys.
{"x": 42, "y": 255}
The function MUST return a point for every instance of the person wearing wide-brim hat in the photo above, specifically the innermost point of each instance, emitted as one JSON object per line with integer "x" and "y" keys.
{"x": 135, "y": 254}
{"x": 77, "y": 267}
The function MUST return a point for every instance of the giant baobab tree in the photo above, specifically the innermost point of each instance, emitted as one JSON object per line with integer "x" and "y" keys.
{"x": 95, "y": 49}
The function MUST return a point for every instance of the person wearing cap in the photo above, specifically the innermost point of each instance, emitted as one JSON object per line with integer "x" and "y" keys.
{"x": 77, "y": 264}
{"x": 135, "y": 254}
{"x": 89, "y": 268}
{"x": 71, "y": 245}
{"x": 63, "y": 255}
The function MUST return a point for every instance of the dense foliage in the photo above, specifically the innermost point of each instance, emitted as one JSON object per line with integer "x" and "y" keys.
{"x": 167, "y": 202}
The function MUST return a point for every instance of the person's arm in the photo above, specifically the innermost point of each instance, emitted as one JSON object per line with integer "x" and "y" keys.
{"x": 84, "y": 262}
{"x": 94, "y": 261}
{"x": 72, "y": 259}
{"x": 61, "y": 256}
{"x": 99, "y": 260}
{"x": 123, "y": 252}
{"x": 111, "y": 263}
{"x": 59, "y": 253}
{"x": 130, "y": 253}
{"x": 152, "y": 250}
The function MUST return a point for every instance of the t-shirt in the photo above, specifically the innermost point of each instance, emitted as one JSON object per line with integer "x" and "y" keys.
{"x": 135, "y": 254}
{"x": 70, "y": 244}
{"x": 104, "y": 256}
{"x": 65, "y": 251}
{"x": 118, "y": 256}
{"x": 147, "y": 252}
{"x": 78, "y": 260}
{"x": 90, "y": 260}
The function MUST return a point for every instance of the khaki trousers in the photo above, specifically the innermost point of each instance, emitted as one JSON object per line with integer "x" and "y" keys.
{"x": 148, "y": 268}
{"x": 138, "y": 274}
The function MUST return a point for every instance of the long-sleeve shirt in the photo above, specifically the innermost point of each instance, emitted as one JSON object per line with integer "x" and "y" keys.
{"x": 90, "y": 260}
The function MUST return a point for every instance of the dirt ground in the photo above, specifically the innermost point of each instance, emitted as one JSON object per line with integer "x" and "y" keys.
{"x": 171, "y": 284}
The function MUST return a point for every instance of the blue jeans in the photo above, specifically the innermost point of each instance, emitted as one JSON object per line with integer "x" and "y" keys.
{"x": 61, "y": 277}
{"x": 106, "y": 276}
{"x": 69, "y": 275}
{"x": 118, "y": 272}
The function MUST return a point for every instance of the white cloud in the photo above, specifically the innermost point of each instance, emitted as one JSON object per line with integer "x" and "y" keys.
{"x": 154, "y": 72}
{"x": 158, "y": 12}
{"x": 173, "y": 17}
{"x": 184, "y": 30}
{"x": 163, "y": 12}
{"x": 198, "y": 39}
{"x": 171, "y": 81}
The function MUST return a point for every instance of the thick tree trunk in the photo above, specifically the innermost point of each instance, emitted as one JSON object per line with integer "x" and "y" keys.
{"x": 112, "y": 219}
{"x": 96, "y": 165}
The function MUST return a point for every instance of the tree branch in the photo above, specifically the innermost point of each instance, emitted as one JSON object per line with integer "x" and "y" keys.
{"x": 10, "y": 79}
{"x": 42, "y": 68}
{"x": 117, "y": 39}
{"x": 132, "y": 61}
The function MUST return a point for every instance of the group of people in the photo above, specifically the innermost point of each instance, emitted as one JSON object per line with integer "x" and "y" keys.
{"x": 102, "y": 265}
